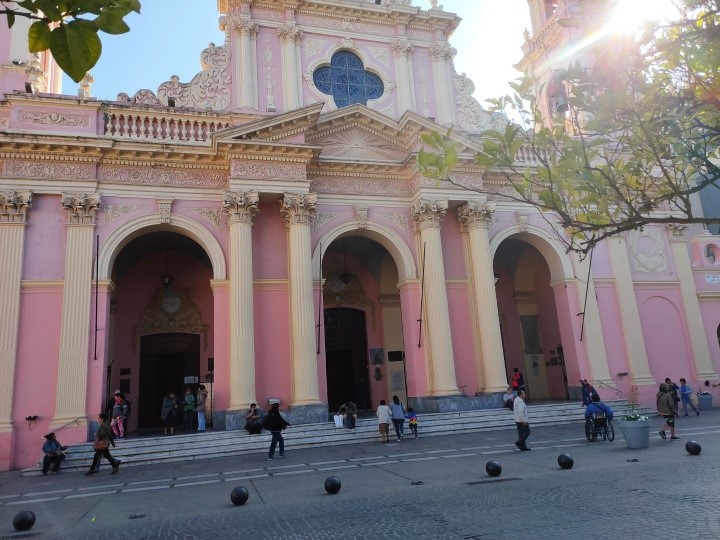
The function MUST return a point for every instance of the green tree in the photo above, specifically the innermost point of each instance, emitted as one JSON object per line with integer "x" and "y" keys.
{"x": 635, "y": 141}
{"x": 69, "y": 28}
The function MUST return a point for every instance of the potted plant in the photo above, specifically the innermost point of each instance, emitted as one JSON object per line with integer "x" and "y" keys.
{"x": 635, "y": 427}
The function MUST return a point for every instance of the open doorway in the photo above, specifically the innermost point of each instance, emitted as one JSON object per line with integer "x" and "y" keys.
{"x": 168, "y": 362}
{"x": 346, "y": 350}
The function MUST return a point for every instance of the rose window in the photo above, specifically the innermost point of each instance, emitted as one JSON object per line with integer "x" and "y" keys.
{"x": 347, "y": 80}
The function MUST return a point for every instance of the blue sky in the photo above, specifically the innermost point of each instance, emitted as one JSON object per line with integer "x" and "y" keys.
{"x": 169, "y": 35}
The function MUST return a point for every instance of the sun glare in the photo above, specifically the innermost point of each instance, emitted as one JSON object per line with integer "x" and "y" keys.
{"x": 630, "y": 15}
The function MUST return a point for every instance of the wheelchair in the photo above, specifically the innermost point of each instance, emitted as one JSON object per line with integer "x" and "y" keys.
{"x": 599, "y": 425}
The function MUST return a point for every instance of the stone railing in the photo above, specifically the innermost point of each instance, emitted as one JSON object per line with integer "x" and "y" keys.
{"x": 122, "y": 123}
{"x": 526, "y": 156}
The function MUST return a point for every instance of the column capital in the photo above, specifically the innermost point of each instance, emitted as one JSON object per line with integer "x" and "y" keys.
{"x": 677, "y": 231}
{"x": 298, "y": 207}
{"x": 476, "y": 215}
{"x": 428, "y": 213}
{"x": 82, "y": 207}
{"x": 402, "y": 47}
{"x": 242, "y": 24}
{"x": 289, "y": 32}
{"x": 441, "y": 51}
{"x": 14, "y": 206}
{"x": 241, "y": 206}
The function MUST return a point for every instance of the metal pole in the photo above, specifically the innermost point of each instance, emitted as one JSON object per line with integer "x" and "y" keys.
{"x": 422, "y": 294}
{"x": 320, "y": 298}
{"x": 587, "y": 290}
{"x": 97, "y": 286}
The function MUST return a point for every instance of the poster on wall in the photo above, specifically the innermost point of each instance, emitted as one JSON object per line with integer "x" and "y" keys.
{"x": 376, "y": 357}
{"x": 398, "y": 381}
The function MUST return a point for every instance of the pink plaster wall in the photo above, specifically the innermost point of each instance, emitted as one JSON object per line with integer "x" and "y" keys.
{"x": 613, "y": 334}
{"x": 452, "y": 248}
{"x": 666, "y": 340}
{"x": 36, "y": 372}
{"x": 462, "y": 337}
{"x": 272, "y": 343}
{"x": 45, "y": 235}
{"x": 549, "y": 330}
{"x": 269, "y": 241}
{"x": 415, "y": 362}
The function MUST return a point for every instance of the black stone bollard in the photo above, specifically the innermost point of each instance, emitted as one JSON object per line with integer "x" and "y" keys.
{"x": 239, "y": 496}
{"x": 693, "y": 448}
{"x": 332, "y": 484}
{"x": 24, "y": 521}
{"x": 565, "y": 461}
{"x": 493, "y": 468}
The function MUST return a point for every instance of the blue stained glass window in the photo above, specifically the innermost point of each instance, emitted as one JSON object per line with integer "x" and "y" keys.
{"x": 347, "y": 81}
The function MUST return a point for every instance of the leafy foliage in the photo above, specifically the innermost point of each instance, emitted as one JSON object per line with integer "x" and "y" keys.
{"x": 69, "y": 28}
{"x": 635, "y": 141}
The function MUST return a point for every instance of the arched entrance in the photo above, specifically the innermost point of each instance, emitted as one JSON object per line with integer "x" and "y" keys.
{"x": 161, "y": 321}
{"x": 529, "y": 320}
{"x": 362, "y": 323}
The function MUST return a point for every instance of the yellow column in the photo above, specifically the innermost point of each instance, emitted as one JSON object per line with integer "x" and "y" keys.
{"x": 75, "y": 327}
{"x": 436, "y": 317}
{"x": 594, "y": 343}
{"x": 475, "y": 219}
{"x": 629, "y": 313}
{"x": 241, "y": 207}
{"x": 298, "y": 210}
{"x": 13, "y": 219}
{"x": 698, "y": 341}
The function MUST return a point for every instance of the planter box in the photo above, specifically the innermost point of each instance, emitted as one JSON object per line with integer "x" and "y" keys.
{"x": 635, "y": 432}
{"x": 705, "y": 402}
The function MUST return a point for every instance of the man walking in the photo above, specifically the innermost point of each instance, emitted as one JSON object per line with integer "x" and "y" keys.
{"x": 521, "y": 421}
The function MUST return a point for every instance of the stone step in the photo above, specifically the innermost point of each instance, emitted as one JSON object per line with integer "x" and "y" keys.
{"x": 187, "y": 447}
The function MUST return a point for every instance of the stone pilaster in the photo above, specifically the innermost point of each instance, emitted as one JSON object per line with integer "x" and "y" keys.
{"x": 629, "y": 313}
{"x": 70, "y": 401}
{"x": 593, "y": 336}
{"x": 442, "y": 54}
{"x": 290, "y": 34}
{"x": 244, "y": 32}
{"x": 13, "y": 215}
{"x": 436, "y": 317}
{"x": 240, "y": 208}
{"x": 683, "y": 266}
{"x": 298, "y": 210}
{"x": 403, "y": 50}
{"x": 475, "y": 219}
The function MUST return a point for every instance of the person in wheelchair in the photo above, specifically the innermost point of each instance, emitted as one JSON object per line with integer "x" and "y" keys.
{"x": 599, "y": 414}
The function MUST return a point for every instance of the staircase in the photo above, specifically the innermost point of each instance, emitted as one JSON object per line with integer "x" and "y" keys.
{"x": 166, "y": 449}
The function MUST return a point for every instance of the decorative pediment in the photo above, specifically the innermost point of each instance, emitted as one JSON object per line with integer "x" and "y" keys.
{"x": 273, "y": 128}
{"x": 170, "y": 311}
{"x": 357, "y": 144}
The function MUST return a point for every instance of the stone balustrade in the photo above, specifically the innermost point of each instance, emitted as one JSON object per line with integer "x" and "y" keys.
{"x": 159, "y": 125}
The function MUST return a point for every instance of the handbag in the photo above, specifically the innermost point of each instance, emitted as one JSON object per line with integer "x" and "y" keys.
{"x": 101, "y": 445}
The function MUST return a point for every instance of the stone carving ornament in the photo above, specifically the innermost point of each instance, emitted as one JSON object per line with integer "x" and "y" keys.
{"x": 82, "y": 208}
{"x": 647, "y": 251}
{"x": 289, "y": 31}
{"x": 156, "y": 176}
{"x": 263, "y": 170}
{"x": 209, "y": 89}
{"x": 470, "y": 115}
{"x": 476, "y": 214}
{"x": 114, "y": 211}
{"x": 157, "y": 319}
{"x": 428, "y": 213}
{"x": 298, "y": 208}
{"x": 211, "y": 214}
{"x": 54, "y": 119}
{"x": 241, "y": 206}
{"x": 50, "y": 170}
{"x": 14, "y": 206}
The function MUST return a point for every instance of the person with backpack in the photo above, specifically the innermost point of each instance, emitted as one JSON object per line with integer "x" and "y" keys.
{"x": 674, "y": 390}
{"x": 275, "y": 424}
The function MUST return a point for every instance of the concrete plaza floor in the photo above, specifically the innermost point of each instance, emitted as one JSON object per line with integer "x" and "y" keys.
{"x": 427, "y": 488}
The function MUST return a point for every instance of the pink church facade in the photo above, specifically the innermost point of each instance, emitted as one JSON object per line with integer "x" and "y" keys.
{"x": 263, "y": 230}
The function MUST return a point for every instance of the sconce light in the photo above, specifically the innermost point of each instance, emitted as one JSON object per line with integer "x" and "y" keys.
{"x": 496, "y": 276}
{"x": 171, "y": 102}
{"x": 31, "y": 418}
{"x": 622, "y": 374}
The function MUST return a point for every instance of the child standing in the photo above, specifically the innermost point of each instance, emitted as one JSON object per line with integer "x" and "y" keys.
{"x": 412, "y": 420}
{"x": 384, "y": 415}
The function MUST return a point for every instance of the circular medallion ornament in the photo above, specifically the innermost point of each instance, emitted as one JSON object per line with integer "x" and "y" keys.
{"x": 170, "y": 300}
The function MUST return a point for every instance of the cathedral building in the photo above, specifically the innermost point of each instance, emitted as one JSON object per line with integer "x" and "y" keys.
{"x": 262, "y": 229}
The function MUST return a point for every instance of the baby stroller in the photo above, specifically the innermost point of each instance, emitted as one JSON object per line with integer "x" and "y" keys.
{"x": 599, "y": 425}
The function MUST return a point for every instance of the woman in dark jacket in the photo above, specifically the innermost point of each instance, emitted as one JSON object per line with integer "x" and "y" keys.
{"x": 103, "y": 436}
{"x": 667, "y": 407}
{"x": 275, "y": 423}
